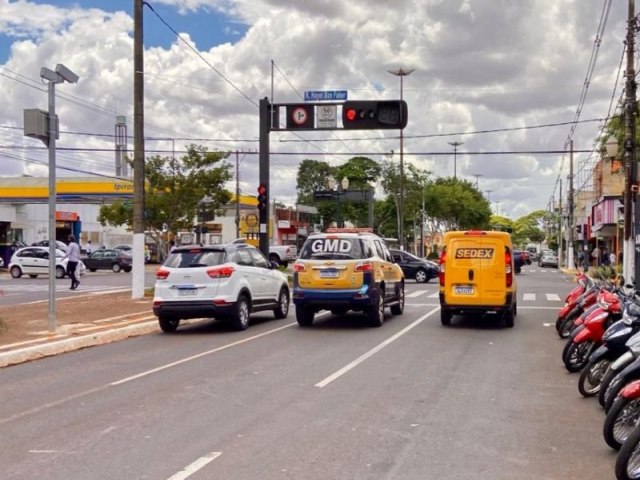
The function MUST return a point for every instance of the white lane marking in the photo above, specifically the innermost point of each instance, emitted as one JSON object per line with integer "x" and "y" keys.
{"x": 374, "y": 350}
{"x": 416, "y": 294}
{"x": 434, "y": 295}
{"x": 203, "y": 354}
{"x": 195, "y": 466}
{"x": 529, "y": 296}
{"x": 553, "y": 297}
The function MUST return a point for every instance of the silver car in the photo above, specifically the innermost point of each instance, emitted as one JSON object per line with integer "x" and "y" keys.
{"x": 548, "y": 259}
{"x": 226, "y": 282}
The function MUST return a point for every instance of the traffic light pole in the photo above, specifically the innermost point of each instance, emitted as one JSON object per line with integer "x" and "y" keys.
{"x": 265, "y": 128}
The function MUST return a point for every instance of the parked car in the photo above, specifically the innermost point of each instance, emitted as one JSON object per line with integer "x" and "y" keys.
{"x": 415, "y": 267}
{"x": 526, "y": 257}
{"x": 45, "y": 243}
{"x": 1, "y": 263}
{"x": 548, "y": 259}
{"x": 518, "y": 261}
{"x": 227, "y": 282}
{"x": 34, "y": 261}
{"x": 108, "y": 259}
{"x": 124, "y": 247}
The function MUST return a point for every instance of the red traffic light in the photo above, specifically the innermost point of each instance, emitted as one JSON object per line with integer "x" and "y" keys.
{"x": 374, "y": 114}
{"x": 262, "y": 190}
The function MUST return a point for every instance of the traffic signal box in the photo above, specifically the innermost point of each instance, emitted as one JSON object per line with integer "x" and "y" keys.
{"x": 374, "y": 114}
{"x": 262, "y": 197}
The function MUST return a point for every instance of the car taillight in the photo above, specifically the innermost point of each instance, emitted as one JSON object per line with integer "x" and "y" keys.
{"x": 299, "y": 267}
{"x": 162, "y": 274}
{"x": 443, "y": 259}
{"x": 220, "y": 272}
{"x": 363, "y": 267}
{"x": 508, "y": 269}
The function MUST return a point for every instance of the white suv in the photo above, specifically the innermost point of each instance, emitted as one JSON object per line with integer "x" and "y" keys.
{"x": 227, "y": 282}
{"x": 34, "y": 261}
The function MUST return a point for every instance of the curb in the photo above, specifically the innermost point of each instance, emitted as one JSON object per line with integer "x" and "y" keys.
{"x": 71, "y": 344}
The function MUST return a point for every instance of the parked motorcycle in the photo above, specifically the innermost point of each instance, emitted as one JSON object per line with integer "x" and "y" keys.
{"x": 628, "y": 462}
{"x": 613, "y": 346}
{"x": 586, "y": 300}
{"x": 626, "y": 368}
{"x": 589, "y": 336}
{"x": 623, "y": 417}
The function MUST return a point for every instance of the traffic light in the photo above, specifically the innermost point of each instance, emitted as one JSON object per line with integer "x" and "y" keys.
{"x": 262, "y": 197}
{"x": 374, "y": 114}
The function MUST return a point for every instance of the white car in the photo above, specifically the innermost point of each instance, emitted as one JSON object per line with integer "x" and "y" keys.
{"x": 34, "y": 261}
{"x": 227, "y": 282}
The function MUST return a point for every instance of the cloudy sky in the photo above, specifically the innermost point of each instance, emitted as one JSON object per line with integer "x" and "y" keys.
{"x": 505, "y": 77}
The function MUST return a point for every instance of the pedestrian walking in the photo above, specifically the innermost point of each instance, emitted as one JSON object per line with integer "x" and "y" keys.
{"x": 73, "y": 256}
{"x": 596, "y": 256}
{"x": 88, "y": 247}
{"x": 613, "y": 259}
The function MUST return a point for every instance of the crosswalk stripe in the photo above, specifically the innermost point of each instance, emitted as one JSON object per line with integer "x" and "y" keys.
{"x": 434, "y": 295}
{"x": 553, "y": 297}
{"x": 415, "y": 294}
{"x": 529, "y": 296}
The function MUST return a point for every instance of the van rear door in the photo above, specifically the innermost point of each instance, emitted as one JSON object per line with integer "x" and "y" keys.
{"x": 475, "y": 271}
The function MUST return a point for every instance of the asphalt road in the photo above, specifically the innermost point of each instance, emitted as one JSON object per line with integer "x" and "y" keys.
{"x": 410, "y": 400}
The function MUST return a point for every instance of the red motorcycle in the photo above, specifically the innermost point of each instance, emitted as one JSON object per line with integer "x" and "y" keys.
{"x": 587, "y": 336}
{"x": 571, "y": 300}
{"x": 623, "y": 417}
{"x": 584, "y": 301}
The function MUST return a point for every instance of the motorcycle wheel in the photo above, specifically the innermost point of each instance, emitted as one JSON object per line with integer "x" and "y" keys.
{"x": 591, "y": 378}
{"x": 628, "y": 462}
{"x": 604, "y": 385}
{"x": 577, "y": 356}
{"x": 567, "y": 324}
{"x": 621, "y": 421}
{"x": 616, "y": 385}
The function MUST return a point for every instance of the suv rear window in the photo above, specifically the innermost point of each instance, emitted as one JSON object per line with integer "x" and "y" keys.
{"x": 196, "y": 257}
{"x": 334, "y": 248}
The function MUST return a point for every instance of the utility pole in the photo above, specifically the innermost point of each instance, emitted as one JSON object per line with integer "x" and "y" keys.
{"x": 137, "y": 278}
{"x": 570, "y": 252}
{"x": 237, "y": 195}
{"x": 560, "y": 238}
{"x": 628, "y": 268}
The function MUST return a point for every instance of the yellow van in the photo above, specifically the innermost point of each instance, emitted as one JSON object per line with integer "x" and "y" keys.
{"x": 477, "y": 275}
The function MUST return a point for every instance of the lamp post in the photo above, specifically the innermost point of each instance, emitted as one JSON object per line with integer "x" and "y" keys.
{"x": 401, "y": 72}
{"x": 455, "y": 146}
{"x": 339, "y": 189}
{"x": 62, "y": 74}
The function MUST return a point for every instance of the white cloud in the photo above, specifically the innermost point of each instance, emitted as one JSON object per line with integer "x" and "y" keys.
{"x": 479, "y": 65}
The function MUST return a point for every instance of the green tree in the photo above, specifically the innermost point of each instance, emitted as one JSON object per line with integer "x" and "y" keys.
{"x": 456, "y": 204}
{"x": 176, "y": 190}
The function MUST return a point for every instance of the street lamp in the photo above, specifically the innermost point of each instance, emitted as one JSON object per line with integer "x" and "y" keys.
{"x": 339, "y": 189}
{"x": 60, "y": 75}
{"x": 401, "y": 72}
{"x": 455, "y": 146}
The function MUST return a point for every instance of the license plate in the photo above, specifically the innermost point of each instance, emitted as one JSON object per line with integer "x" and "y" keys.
{"x": 329, "y": 274}
{"x": 463, "y": 290}
{"x": 187, "y": 292}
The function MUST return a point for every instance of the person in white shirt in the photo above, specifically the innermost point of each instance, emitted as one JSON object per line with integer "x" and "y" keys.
{"x": 88, "y": 248}
{"x": 73, "y": 254}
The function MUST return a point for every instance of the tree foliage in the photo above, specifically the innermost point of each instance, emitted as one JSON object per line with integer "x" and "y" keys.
{"x": 176, "y": 190}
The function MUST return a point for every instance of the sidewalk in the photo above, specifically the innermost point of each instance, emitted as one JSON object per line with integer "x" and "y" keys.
{"x": 81, "y": 321}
